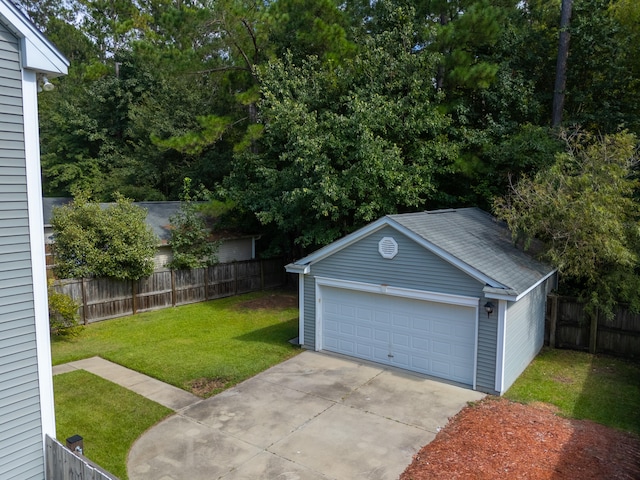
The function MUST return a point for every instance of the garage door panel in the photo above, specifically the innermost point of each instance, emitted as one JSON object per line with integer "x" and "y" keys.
{"x": 383, "y": 317}
{"x": 347, "y": 328}
{"x": 427, "y": 337}
{"x": 364, "y": 350}
{"x": 380, "y": 355}
{"x": 401, "y": 321}
{"x": 382, "y": 336}
{"x": 364, "y": 332}
{"x": 400, "y": 340}
{"x": 418, "y": 343}
{"x": 365, "y": 314}
{"x": 441, "y": 369}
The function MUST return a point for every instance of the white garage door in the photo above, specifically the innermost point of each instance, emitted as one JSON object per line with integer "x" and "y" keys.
{"x": 428, "y": 337}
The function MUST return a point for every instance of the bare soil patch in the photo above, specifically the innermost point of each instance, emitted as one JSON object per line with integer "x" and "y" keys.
{"x": 496, "y": 438}
{"x": 276, "y": 300}
{"x": 204, "y": 387}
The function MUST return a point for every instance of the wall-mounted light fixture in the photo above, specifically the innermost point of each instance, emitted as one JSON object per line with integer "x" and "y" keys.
{"x": 488, "y": 308}
{"x": 45, "y": 84}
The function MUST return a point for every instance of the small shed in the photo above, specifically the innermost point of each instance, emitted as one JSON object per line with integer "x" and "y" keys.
{"x": 26, "y": 385}
{"x": 443, "y": 293}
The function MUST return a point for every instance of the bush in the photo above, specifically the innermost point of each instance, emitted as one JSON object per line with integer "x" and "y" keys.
{"x": 63, "y": 313}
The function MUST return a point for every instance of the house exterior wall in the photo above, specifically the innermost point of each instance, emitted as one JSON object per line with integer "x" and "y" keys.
{"x": 230, "y": 250}
{"x": 21, "y": 423}
{"x": 414, "y": 268}
{"x": 235, "y": 250}
{"x": 524, "y": 335}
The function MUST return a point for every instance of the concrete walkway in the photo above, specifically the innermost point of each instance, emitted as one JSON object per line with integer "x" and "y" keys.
{"x": 160, "y": 392}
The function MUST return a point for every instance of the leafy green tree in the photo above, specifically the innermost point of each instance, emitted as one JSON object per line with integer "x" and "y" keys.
{"x": 92, "y": 241}
{"x": 343, "y": 145}
{"x": 190, "y": 240}
{"x": 583, "y": 209}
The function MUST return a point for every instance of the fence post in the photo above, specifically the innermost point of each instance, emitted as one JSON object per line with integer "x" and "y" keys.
{"x": 553, "y": 321}
{"x": 235, "y": 275}
{"x": 593, "y": 334}
{"x": 173, "y": 288}
{"x": 134, "y": 292}
{"x": 83, "y": 291}
{"x": 206, "y": 282}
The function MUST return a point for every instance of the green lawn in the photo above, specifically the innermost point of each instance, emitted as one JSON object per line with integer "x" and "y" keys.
{"x": 108, "y": 417}
{"x": 222, "y": 341}
{"x": 595, "y": 387}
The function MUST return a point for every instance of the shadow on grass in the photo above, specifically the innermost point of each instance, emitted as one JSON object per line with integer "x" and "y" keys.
{"x": 610, "y": 396}
{"x": 277, "y": 334}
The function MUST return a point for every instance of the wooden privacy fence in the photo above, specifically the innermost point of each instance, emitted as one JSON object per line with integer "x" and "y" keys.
{"x": 104, "y": 298}
{"x": 63, "y": 464}
{"x": 569, "y": 326}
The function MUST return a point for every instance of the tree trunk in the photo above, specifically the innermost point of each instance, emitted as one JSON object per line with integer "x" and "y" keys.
{"x": 561, "y": 65}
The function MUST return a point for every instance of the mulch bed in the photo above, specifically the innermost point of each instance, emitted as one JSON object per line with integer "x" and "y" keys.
{"x": 496, "y": 438}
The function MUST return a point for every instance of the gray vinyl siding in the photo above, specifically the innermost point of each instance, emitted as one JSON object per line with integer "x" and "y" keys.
{"x": 309, "y": 312}
{"x": 21, "y": 451}
{"x": 524, "y": 332}
{"x": 487, "y": 347}
{"x": 413, "y": 267}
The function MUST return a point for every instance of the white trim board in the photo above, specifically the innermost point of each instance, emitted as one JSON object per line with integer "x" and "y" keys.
{"x": 36, "y": 238}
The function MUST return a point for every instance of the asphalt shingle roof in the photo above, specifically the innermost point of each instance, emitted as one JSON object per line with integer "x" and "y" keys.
{"x": 480, "y": 241}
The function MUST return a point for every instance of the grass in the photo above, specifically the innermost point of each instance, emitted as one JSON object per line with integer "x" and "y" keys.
{"x": 223, "y": 341}
{"x": 108, "y": 417}
{"x": 583, "y": 386}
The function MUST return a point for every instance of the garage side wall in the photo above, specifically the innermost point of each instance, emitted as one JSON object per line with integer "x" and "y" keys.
{"x": 487, "y": 342}
{"x": 309, "y": 312}
{"x": 524, "y": 331}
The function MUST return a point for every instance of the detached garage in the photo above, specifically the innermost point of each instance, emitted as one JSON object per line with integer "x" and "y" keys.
{"x": 443, "y": 293}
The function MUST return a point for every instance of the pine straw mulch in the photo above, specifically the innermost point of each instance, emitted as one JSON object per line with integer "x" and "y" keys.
{"x": 497, "y": 438}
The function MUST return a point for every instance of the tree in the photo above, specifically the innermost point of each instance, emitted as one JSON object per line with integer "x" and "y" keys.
{"x": 561, "y": 66}
{"x": 583, "y": 209}
{"x": 344, "y": 145}
{"x": 92, "y": 241}
{"x": 190, "y": 241}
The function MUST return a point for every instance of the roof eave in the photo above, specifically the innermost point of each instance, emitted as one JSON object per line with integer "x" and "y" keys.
{"x": 38, "y": 53}
{"x": 511, "y": 295}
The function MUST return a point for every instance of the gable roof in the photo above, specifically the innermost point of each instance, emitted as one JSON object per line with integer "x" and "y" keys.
{"x": 469, "y": 238}
{"x": 38, "y": 53}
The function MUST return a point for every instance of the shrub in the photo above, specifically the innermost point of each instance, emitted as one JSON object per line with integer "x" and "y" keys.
{"x": 63, "y": 313}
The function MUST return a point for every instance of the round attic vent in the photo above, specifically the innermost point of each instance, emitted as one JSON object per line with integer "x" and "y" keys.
{"x": 388, "y": 247}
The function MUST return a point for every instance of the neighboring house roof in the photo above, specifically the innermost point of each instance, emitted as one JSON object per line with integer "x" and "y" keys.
{"x": 38, "y": 53}
{"x": 158, "y": 217}
{"x": 468, "y": 238}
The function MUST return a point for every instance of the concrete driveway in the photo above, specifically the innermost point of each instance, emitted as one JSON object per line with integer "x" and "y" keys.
{"x": 315, "y": 416}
